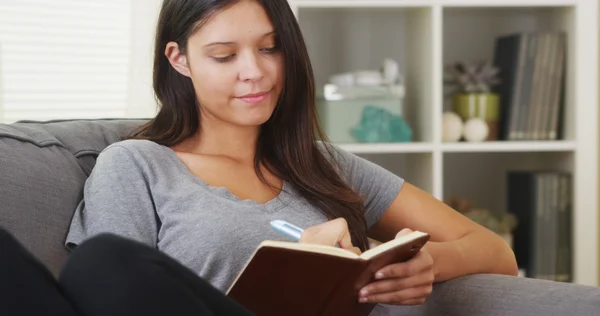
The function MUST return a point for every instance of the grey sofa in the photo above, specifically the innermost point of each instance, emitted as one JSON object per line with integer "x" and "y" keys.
{"x": 43, "y": 167}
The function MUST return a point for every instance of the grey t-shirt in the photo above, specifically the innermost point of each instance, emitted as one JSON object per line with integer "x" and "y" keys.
{"x": 141, "y": 190}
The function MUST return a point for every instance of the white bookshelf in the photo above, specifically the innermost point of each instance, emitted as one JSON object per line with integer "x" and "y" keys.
{"x": 422, "y": 35}
{"x": 1, "y": 87}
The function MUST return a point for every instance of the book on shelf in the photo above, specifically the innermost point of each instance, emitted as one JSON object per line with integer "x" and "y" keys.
{"x": 541, "y": 201}
{"x": 532, "y": 74}
{"x": 288, "y": 278}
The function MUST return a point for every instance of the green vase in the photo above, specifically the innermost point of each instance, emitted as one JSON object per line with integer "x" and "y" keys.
{"x": 479, "y": 105}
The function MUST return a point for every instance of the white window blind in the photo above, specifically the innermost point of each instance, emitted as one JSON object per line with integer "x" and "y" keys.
{"x": 64, "y": 59}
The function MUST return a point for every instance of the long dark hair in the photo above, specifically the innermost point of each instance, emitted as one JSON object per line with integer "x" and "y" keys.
{"x": 288, "y": 145}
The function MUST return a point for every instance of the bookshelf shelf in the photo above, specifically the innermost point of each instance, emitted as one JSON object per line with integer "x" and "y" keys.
{"x": 511, "y": 146}
{"x": 482, "y": 147}
{"x": 506, "y": 3}
{"x": 423, "y": 36}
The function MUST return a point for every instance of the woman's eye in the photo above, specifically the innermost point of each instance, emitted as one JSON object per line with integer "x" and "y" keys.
{"x": 269, "y": 50}
{"x": 224, "y": 59}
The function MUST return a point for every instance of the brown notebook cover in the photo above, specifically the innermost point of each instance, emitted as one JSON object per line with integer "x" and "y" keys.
{"x": 284, "y": 278}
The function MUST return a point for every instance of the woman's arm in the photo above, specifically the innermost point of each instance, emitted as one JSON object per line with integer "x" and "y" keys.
{"x": 458, "y": 245}
{"x": 116, "y": 199}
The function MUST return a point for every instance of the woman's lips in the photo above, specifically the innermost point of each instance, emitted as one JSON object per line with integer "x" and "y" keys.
{"x": 255, "y": 98}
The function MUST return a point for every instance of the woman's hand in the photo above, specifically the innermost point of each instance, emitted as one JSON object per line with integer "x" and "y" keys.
{"x": 406, "y": 283}
{"x": 330, "y": 233}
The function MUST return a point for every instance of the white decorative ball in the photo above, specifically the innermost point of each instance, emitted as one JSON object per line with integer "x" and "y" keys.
{"x": 452, "y": 127}
{"x": 475, "y": 130}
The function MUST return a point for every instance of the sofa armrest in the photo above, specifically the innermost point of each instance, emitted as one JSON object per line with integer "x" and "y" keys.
{"x": 499, "y": 295}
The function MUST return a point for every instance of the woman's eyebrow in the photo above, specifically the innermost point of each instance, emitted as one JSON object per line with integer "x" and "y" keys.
{"x": 231, "y": 43}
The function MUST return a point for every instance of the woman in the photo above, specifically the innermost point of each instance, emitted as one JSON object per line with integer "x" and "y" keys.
{"x": 235, "y": 145}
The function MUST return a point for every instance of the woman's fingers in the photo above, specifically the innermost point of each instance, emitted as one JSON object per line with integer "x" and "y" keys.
{"x": 331, "y": 233}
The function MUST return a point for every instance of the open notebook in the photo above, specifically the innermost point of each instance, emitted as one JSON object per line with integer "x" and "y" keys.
{"x": 287, "y": 278}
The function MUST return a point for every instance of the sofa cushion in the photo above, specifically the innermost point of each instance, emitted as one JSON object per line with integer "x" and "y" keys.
{"x": 85, "y": 139}
{"x": 43, "y": 167}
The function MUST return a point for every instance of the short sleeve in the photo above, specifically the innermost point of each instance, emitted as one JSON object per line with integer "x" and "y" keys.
{"x": 377, "y": 185}
{"x": 117, "y": 200}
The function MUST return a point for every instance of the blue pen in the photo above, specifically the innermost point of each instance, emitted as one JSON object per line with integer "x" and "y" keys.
{"x": 289, "y": 229}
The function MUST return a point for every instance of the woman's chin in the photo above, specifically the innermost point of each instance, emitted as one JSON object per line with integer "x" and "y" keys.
{"x": 254, "y": 120}
{"x": 256, "y": 117}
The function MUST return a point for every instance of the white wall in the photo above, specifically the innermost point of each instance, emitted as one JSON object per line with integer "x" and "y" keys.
{"x": 141, "y": 97}
{"x": 90, "y": 59}
{"x": 63, "y": 59}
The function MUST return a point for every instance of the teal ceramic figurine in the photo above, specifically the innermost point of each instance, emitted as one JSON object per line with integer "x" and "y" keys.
{"x": 378, "y": 125}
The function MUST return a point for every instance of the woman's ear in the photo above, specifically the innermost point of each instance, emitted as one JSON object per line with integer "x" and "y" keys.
{"x": 177, "y": 59}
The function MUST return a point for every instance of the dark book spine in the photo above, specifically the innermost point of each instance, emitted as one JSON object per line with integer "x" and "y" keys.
{"x": 544, "y": 130}
{"x": 526, "y": 87}
{"x": 564, "y": 231}
{"x": 539, "y": 228}
{"x": 537, "y": 93}
{"x": 543, "y": 103}
{"x": 551, "y": 225}
{"x": 556, "y": 129}
{"x": 509, "y": 54}
{"x": 522, "y": 201}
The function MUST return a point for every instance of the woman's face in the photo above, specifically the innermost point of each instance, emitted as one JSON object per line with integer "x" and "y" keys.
{"x": 235, "y": 65}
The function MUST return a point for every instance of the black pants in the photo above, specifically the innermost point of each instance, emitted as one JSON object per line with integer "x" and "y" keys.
{"x": 108, "y": 276}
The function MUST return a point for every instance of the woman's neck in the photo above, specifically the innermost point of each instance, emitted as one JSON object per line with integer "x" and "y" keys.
{"x": 223, "y": 139}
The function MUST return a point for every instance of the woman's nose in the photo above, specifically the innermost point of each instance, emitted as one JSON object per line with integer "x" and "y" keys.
{"x": 251, "y": 68}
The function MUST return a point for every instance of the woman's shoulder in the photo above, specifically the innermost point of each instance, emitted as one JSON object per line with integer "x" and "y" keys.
{"x": 336, "y": 154}
{"x": 134, "y": 147}
{"x": 351, "y": 164}
{"x": 133, "y": 151}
